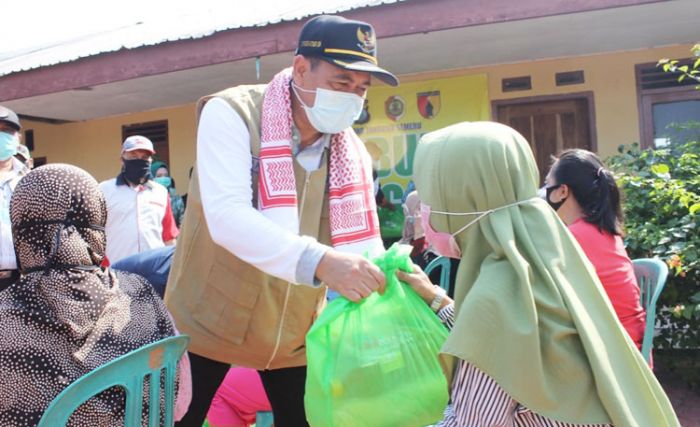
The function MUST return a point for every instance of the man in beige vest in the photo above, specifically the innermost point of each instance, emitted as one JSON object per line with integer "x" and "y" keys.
{"x": 280, "y": 208}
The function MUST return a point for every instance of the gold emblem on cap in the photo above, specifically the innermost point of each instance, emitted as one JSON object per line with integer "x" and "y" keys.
{"x": 367, "y": 40}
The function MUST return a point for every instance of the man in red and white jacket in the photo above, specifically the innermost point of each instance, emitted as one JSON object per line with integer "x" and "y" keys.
{"x": 139, "y": 216}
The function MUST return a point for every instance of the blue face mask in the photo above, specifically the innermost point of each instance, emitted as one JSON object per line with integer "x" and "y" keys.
{"x": 8, "y": 145}
{"x": 165, "y": 181}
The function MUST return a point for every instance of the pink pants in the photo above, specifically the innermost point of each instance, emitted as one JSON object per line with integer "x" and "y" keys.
{"x": 239, "y": 397}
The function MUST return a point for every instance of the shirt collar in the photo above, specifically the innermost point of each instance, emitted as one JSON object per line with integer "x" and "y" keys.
{"x": 122, "y": 181}
{"x": 323, "y": 142}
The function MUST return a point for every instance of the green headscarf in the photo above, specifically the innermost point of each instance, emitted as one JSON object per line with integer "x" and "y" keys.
{"x": 157, "y": 164}
{"x": 531, "y": 312}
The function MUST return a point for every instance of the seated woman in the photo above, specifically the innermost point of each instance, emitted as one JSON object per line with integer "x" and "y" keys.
{"x": 534, "y": 336}
{"x": 65, "y": 316}
{"x": 585, "y": 196}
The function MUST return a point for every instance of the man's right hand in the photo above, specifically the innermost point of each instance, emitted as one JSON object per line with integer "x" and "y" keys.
{"x": 353, "y": 276}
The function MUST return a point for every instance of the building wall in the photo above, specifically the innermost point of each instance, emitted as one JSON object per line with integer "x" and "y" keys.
{"x": 611, "y": 77}
{"x": 94, "y": 145}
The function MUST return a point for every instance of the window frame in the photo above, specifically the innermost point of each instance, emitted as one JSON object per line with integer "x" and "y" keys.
{"x": 646, "y": 98}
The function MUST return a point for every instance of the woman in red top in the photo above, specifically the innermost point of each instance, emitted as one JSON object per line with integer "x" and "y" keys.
{"x": 587, "y": 199}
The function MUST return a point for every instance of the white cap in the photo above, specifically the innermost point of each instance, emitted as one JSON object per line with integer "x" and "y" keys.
{"x": 137, "y": 142}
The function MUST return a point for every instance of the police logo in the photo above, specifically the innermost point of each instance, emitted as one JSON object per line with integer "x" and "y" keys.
{"x": 394, "y": 107}
{"x": 429, "y": 103}
{"x": 367, "y": 40}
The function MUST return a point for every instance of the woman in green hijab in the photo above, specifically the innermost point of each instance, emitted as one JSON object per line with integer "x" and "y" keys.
{"x": 536, "y": 340}
{"x": 161, "y": 175}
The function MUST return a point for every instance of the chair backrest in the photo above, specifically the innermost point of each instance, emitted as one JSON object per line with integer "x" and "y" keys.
{"x": 264, "y": 419}
{"x": 128, "y": 371}
{"x": 445, "y": 266}
{"x": 651, "y": 277}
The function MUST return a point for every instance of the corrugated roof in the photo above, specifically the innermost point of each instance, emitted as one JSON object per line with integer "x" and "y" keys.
{"x": 173, "y": 28}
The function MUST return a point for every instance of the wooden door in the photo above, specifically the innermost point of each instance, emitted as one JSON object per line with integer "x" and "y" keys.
{"x": 549, "y": 126}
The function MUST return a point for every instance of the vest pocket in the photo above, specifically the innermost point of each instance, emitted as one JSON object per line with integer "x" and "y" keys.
{"x": 227, "y": 305}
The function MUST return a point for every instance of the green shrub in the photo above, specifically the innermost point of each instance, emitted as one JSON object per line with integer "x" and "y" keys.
{"x": 662, "y": 203}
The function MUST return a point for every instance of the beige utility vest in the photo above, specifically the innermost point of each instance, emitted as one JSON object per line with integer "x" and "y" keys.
{"x": 232, "y": 311}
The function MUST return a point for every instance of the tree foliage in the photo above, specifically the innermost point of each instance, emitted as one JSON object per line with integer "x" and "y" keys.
{"x": 662, "y": 205}
{"x": 684, "y": 71}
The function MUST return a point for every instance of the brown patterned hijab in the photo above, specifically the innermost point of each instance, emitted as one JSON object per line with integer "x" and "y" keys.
{"x": 58, "y": 219}
{"x": 66, "y": 316}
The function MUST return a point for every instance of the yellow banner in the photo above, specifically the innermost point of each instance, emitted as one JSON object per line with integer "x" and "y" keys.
{"x": 395, "y": 119}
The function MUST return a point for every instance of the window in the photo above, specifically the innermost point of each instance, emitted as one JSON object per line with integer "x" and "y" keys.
{"x": 664, "y": 101}
{"x": 156, "y": 131}
{"x": 665, "y": 114}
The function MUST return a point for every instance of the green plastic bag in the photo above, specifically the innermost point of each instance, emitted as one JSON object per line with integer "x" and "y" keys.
{"x": 390, "y": 222}
{"x": 375, "y": 363}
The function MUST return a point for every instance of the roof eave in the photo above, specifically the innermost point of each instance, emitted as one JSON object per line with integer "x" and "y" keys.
{"x": 389, "y": 20}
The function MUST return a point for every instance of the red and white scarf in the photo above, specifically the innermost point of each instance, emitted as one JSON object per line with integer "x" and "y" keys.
{"x": 353, "y": 215}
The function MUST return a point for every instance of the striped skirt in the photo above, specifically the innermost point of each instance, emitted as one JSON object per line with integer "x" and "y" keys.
{"x": 478, "y": 401}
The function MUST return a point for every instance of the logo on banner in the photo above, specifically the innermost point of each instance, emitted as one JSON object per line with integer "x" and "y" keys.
{"x": 394, "y": 107}
{"x": 428, "y": 103}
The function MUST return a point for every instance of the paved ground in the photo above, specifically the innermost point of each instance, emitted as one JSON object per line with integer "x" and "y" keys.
{"x": 685, "y": 401}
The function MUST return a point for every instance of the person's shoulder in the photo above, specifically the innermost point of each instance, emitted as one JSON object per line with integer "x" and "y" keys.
{"x": 243, "y": 96}
{"x": 412, "y": 199}
{"x": 106, "y": 182}
{"x": 246, "y": 93}
{"x": 244, "y": 100}
{"x": 157, "y": 189}
{"x": 582, "y": 226}
{"x": 108, "y": 186}
{"x": 587, "y": 233}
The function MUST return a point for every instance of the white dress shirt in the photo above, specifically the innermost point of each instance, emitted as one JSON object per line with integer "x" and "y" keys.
{"x": 134, "y": 217}
{"x": 224, "y": 166}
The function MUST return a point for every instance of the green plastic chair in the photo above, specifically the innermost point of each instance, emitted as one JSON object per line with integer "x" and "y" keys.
{"x": 651, "y": 276}
{"x": 445, "y": 266}
{"x": 127, "y": 371}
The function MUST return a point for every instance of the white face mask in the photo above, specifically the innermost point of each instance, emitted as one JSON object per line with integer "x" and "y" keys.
{"x": 333, "y": 111}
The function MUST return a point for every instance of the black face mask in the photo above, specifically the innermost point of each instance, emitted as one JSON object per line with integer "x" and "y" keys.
{"x": 554, "y": 205}
{"x": 136, "y": 171}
